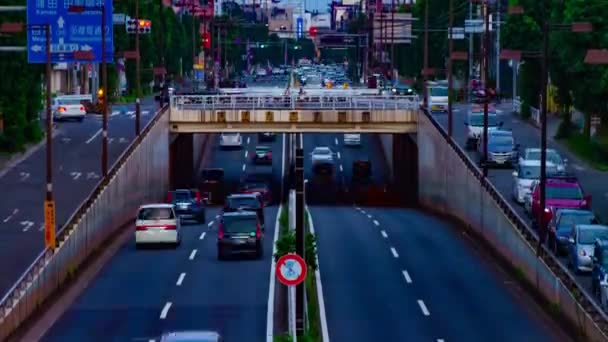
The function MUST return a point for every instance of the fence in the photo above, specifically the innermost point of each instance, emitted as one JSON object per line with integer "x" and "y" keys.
{"x": 140, "y": 175}
{"x": 451, "y": 184}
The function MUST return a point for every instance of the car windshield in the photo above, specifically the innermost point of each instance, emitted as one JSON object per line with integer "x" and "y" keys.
{"x": 181, "y": 195}
{"x": 506, "y": 141}
{"x": 564, "y": 192}
{"x": 243, "y": 202}
{"x": 476, "y": 120}
{"x": 588, "y": 236}
{"x": 570, "y": 219}
{"x": 552, "y": 156}
{"x": 322, "y": 151}
{"x": 240, "y": 224}
{"x": 529, "y": 172}
{"x": 155, "y": 214}
{"x": 439, "y": 91}
{"x": 68, "y": 101}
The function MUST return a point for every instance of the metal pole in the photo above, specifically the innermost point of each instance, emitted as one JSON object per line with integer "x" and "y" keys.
{"x": 471, "y": 40}
{"x": 104, "y": 110}
{"x": 486, "y": 53}
{"x": 498, "y": 47}
{"x": 49, "y": 119}
{"x": 426, "y": 55}
{"x": 450, "y": 77}
{"x": 543, "y": 137}
{"x": 514, "y": 69}
{"x": 137, "y": 72}
{"x": 300, "y": 236}
{"x": 393, "y": 40}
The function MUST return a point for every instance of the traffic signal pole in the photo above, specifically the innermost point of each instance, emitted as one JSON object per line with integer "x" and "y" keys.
{"x": 137, "y": 73}
{"x": 49, "y": 119}
{"x": 300, "y": 236}
{"x": 104, "y": 110}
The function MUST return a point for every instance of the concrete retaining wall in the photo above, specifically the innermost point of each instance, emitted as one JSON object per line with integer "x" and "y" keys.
{"x": 386, "y": 141}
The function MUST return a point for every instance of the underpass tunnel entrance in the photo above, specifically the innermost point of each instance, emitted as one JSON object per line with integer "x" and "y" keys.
{"x": 181, "y": 160}
{"x": 405, "y": 169}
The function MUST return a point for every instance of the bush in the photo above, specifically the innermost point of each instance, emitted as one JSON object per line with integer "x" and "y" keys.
{"x": 525, "y": 110}
{"x": 565, "y": 129}
{"x": 33, "y": 132}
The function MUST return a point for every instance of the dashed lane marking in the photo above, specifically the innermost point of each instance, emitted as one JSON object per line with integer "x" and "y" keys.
{"x": 423, "y": 307}
{"x": 246, "y": 153}
{"x": 180, "y": 280}
{"x": 193, "y": 254}
{"x": 383, "y": 234}
{"x": 407, "y": 277}
{"x": 202, "y": 236}
{"x": 341, "y": 168}
{"x": 339, "y": 156}
{"x": 394, "y": 251}
{"x": 248, "y": 140}
{"x": 210, "y": 224}
{"x": 165, "y": 311}
{"x": 369, "y": 216}
{"x": 93, "y": 137}
{"x": 244, "y": 166}
{"x": 376, "y": 223}
{"x": 336, "y": 141}
{"x": 26, "y": 225}
{"x": 9, "y": 217}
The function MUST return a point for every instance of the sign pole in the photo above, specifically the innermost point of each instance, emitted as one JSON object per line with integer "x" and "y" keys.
{"x": 137, "y": 72}
{"x": 300, "y": 236}
{"x": 49, "y": 208}
{"x": 104, "y": 75}
{"x": 450, "y": 85}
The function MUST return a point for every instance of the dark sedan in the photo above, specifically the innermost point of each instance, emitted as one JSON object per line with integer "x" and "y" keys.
{"x": 246, "y": 202}
{"x": 188, "y": 204}
{"x": 262, "y": 155}
{"x": 239, "y": 233}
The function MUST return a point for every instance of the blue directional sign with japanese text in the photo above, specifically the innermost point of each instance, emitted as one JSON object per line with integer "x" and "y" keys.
{"x": 70, "y": 31}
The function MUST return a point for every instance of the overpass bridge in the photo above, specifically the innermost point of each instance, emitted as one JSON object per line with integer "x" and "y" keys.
{"x": 293, "y": 113}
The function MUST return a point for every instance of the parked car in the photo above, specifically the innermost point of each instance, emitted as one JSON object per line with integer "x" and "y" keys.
{"x": 352, "y": 139}
{"x": 246, "y": 202}
{"x": 157, "y": 223}
{"x": 322, "y": 159}
{"x": 231, "y": 140}
{"x": 474, "y": 124}
{"x": 561, "y": 192}
{"x": 240, "y": 232}
{"x": 212, "y": 185}
{"x": 562, "y": 222}
{"x": 502, "y": 149}
{"x": 262, "y": 155}
{"x": 599, "y": 272}
{"x": 552, "y": 157}
{"x": 581, "y": 240}
{"x": 188, "y": 204}
{"x": 526, "y": 174}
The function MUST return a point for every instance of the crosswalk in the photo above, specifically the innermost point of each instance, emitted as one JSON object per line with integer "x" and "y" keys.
{"x": 129, "y": 113}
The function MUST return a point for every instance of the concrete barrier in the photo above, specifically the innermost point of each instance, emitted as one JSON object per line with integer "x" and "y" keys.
{"x": 451, "y": 184}
{"x": 140, "y": 175}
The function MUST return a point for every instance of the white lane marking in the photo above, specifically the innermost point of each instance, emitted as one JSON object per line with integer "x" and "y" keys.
{"x": 336, "y": 141}
{"x": 93, "y": 137}
{"x": 24, "y": 176}
{"x": 9, "y": 217}
{"x": 363, "y": 212}
{"x": 246, "y": 153}
{"x": 244, "y": 166}
{"x": 383, "y": 234}
{"x": 407, "y": 277}
{"x": 92, "y": 175}
{"x": 217, "y": 216}
{"x": 202, "y": 236}
{"x": 339, "y": 156}
{"x": 248, "y": 140}
{"x": 123, "y": 141}
{"x": 193, "y": 254}
{"x": 210, "y": 224}
{"x": 357, "y": 208}
{"x": 131, "y": 112}
{"x": 42, "y": 227}
{"x": 425, "y": 311}
{"x": 110, "y": 140}
{"x": 271, "y": 287}
{"x": 320, "y": 297}
{"x": 114, "y": 113}
{"x": 341, "y": 169}
{"x": 180, "y": 280}
{"x": 165, "y": 311}
{"x": 376, "y": 223}
{"x": 145, "y": 112}
{"x": 394, "y": 251}
{"x": 369, "y": 216}
{"x": 578, "y": 167}
{"x": 75, "y": 175}
{"x": 440, "y": 340}
{"x": 26, "y": 225}
{"x": 302, "y": 140}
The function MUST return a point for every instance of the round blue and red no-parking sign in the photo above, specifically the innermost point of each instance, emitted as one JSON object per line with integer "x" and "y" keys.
{"x": 291, "y": 269}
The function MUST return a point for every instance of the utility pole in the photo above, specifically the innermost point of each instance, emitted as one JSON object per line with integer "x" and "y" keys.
{"x": 498, "y": 47}
{"x": 104, "y": 76}
{"x": 393, "y": 40}
{"x": 450, "y": 71}
{"x": 137, "y": 72}
{"x": 543, "y": 135}
{"x": 486, "y": 55}
{"x": 471, "y": 40}
{"x": 49, "y": 118}
{"x": 425, "y": 70}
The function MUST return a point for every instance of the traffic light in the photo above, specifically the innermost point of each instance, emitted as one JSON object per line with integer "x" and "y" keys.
{"x": 130, "y": 26}
{"x": 145, "y": 26}
{"x": 101, "y": 100}
{"x": 312, "y": 32}
{"x": 205, "y": 40}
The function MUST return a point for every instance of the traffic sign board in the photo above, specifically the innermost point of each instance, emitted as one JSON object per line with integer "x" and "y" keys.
{"x": 291, "y": 269}
{"x": 70, "y": 32}
{"x": 49, "y": 224}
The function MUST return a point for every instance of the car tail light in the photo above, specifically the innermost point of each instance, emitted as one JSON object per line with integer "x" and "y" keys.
{"x": 198, "y": 197}
{"x": 220, "y": 232}
{"x": 81, "y": 108}
{"x": 269, "y": 155}
{"x": 169, "y": 197}
{"x": 140, "y": 228}
{"x": 61, "y": 109}
{"x": 171, "y": 227}
{"x": 258, "y": 231}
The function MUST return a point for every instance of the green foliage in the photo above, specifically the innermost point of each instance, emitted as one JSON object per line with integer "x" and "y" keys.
{"x": 283, "y": 338}
{"x": 287, "y": 242}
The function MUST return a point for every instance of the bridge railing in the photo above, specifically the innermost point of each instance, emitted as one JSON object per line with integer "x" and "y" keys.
{"x": 326, "y": 102}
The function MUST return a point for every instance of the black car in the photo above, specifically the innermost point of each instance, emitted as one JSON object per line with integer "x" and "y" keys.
{"x": 239, "y": 233}
{"x": 246, "y": 202}
{"x": 267, "y": 136}
{"x": 188, "y": 204}
{"x": 262, "y": 155}
{"x": 212, "y": 185}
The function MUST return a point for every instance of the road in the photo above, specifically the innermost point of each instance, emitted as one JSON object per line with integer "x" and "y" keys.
{"x": 593, "y": 181}
{"x": 395, "y": 274}
{"x": 76, "y": 171}
{"x": 129, "y": 299}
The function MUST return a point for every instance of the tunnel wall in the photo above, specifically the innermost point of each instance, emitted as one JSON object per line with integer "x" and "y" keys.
{"x": 386, "y": 141}
{"x": 401, "y": 155}
{"x": 450, "y": 184}
{"x": 187, "y": 155}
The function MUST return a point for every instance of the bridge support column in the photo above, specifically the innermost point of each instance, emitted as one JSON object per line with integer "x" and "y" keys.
{"x": 181, "y": 161}
{"x": 405, "y": 168}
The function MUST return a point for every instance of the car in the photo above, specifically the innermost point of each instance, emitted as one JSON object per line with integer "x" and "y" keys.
{"x": 257, "y": 183}
{"x": 157, "y": 223}
{"x": 191, "y": 336}
{"x": 599, "y": 271}
{"x": 188, "y": 204}
{"x": 580, "y": 245}
{"x": 561, "y": 223}
{"x": 262, "y": 155}
{"x": 352, "y": 139}
{"x": 322, "y": 159}
{"x": 239, "y": 232}
{"x": 474, "y": 125}
{"x": 231, "y": 140}
{"x": 502, "y": 149}
{"x": 525, "y": 176}
{"x": 560, "y": 192}
{"x": 552, "y": 156}
{"x": 402, "y": 89}
{"x": 212, "y": 184}
{"x": 69, "y": 107}
{"x": 267, "y": 136}
{"x": 437, "y": 98}
{"x": 247, "y": 202}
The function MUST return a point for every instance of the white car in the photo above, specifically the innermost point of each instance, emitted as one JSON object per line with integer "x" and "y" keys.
{"x": 157, "y": 223}
{"x": 69, "y": 107}
{"x": 231, "y": 140}
{"x": 525, "y": 176}
{"x": 475, "y": 127}
{"x": 552, "y": 157}
{"x": 438, "y": 98}
{"x": 322, "y": 159}
{"x": 352, "y": 139}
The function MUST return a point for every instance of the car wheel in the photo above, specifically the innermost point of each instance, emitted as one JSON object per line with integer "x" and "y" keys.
{"x": 220, "y": 254}
{"x": 259, "y": 253}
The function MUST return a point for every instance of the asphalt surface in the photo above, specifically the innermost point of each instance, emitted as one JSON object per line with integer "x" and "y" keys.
{"x": 367, "y": 295}
{"x": 125, "y": 301}
{"x": 593, "y": 181}
{"x": 76, "y": 171}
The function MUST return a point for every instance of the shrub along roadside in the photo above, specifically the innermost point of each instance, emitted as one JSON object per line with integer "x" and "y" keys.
{"x": 287, "y": 244}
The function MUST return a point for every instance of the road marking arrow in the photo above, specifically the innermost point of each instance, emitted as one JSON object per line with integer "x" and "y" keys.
{"x": 75, "y": 175}
{"x": 24, "y": 176}
{"x": 92, "y": 175}
{"x": 110, "y": 140}
{"x": 60, "y": 22}
{"x": 26, "y": 225}
{"x": 123, "y": 140}
{"x": 65, "y": 140}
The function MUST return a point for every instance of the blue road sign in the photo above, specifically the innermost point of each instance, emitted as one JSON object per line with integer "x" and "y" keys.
{"x": 70, "y": 32}
{"x": 299, "y": 27}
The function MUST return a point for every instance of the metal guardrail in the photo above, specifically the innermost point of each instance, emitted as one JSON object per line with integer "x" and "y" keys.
{"x": 563, "y": 278}
{"x": 109, "y": 206}
{"x": 333, "y": 102}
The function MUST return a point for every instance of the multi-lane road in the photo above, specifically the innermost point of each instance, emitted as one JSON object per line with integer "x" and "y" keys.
{"x": 76, "y": 170}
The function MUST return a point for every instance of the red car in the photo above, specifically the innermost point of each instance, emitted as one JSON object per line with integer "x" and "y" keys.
{"x": 257, "y": 183}
{"x": 561, "y": 192}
